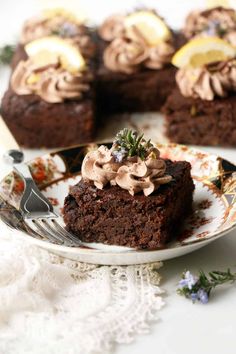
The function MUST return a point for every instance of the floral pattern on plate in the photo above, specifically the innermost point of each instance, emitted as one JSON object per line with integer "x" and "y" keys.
{"x": 214, "y": 202}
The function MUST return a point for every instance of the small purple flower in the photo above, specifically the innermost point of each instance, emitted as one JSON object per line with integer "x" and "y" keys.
{"x": 183, "y": 283}
{"x": 68, "y": 30}
{"x": 199, "y": 288}
{"x": 194, "y": 297}
{"x": 214, "y": 28}
{"x": 202, "y": 296}
{"x": 119, "y": 155}
{"x": 189, "y": 280}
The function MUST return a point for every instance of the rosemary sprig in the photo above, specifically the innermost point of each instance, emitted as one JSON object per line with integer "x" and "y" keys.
{"x": 198, "y": 288}
{"x": 6, "y": 54}
{"x": 128, "y": 143}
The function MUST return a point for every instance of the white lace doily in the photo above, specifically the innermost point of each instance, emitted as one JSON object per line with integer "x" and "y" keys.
{"x": 52, "y": 305}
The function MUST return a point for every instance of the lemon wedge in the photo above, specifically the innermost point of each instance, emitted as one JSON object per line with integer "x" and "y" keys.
{"x": 216, "y": 3}
{"x": 201, "y": 51}
{"x": 47, "y": 50}
{"x": 152, "y": 27}
{"x": 55, "y": 12}
{"x": 58, "y": 7}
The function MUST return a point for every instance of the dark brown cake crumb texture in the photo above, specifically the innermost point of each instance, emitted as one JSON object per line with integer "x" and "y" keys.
{"x": 113, "y": 216}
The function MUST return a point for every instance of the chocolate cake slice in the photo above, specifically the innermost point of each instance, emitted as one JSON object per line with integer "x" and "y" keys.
{"x": 201, "y": 109}
{"x": 201, "y": 122}
{"x": 36, "y": 123}
{"x": 50, "y": 103}
{"x": 133, "y": 74}
{"x": 113, "y": 215}
{"x": 143, "y": 91}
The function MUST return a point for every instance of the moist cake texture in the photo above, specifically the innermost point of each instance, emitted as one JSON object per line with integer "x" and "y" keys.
{"x": 113, "y": 216}
{"x": 201, "y": 122}
{"x": 37, "y": 123}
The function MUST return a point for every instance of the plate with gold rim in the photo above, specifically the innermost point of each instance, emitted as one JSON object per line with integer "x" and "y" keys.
{"x": 214, "y": 212}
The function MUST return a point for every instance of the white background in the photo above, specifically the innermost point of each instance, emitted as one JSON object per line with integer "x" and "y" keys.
{"x": 183, "y": 328}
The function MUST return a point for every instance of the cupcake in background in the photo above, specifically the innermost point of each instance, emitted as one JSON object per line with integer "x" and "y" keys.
{"x": 55, "y": 22}
{"x": 215, "y": 22}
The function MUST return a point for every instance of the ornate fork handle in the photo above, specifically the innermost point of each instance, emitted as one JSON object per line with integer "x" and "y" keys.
{"x": 33, "y": 204}
{"x": 35, "y": 209}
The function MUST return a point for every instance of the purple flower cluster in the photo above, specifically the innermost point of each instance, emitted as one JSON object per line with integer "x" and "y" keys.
{"x": 215, "y": 28}
{"x": 199, "y": 288}
{"x": 119, "y": 155}
{"x": 68, "y": 29}
{"x": 188, "y": 280}
{"x": 190, "y": 287}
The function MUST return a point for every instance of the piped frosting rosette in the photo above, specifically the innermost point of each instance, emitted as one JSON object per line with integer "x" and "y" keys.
{"x": 141, "y": 39}
{"x": 55, "y": 71}
{"x": 218, "y": 21}
{"x": 215, "y": 79}
{"x": 207, "y": 68}
{"x": 141, "y": 172}
{"x": 61, "y": 23}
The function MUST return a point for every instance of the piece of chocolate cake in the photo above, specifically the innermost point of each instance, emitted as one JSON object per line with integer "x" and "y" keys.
{"x": 202, "y": 109}
{"x": 134, "y": 70}
{"x": 50, "y": 101}
{"x": 129, "y": 196}
{"x": 36, "y": 123}
{"x": 201, "y": 122}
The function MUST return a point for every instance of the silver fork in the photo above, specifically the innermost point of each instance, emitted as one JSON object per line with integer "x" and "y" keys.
{"x": 35, "y": 208}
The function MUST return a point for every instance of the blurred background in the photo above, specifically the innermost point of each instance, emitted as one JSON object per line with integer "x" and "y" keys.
{"x": 14, "y": 13}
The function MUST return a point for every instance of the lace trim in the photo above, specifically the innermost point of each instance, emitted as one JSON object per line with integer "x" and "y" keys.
{"x": 50, "y": 304}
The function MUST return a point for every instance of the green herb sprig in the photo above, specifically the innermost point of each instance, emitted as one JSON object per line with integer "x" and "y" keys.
{"x": 198, "y": 288}
{"x": 6, "y": 54}
{"x": 128, "y": 143}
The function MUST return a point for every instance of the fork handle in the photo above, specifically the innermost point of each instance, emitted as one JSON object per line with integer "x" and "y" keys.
{"x": 12, "y": 153}
{"x": 32, "y": 198}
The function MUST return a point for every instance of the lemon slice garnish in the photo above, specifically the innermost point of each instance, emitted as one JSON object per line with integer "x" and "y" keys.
{"x": 152, "y": 27}
{"x": 54, "y": 8}
{"x": 33, "y": 79}
{"x": 48, "y": 49}
{"x": 201, "y": 51}
{"x": 216, "y": 3}
{"x": 55, "y": 12}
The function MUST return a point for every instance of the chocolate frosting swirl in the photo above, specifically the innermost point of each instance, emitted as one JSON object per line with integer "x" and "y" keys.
{"x": 125, "y": 55}
{"x": 216, "y": 79}
{"x": 219, "y": 21}
{"x": 128, "y": 51}
{"x": 159, "y": 56}
{"x": 75, "y": 33}
{"x": 112, "y": 27}
{"x": 132, "y": 174}
{"x": 99, "y": 166}
{"x": 52, "y": 83}
{"x": 36, "y": 27}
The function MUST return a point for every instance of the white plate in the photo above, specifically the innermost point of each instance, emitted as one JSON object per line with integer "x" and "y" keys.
{"x": 214, "y": 204}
